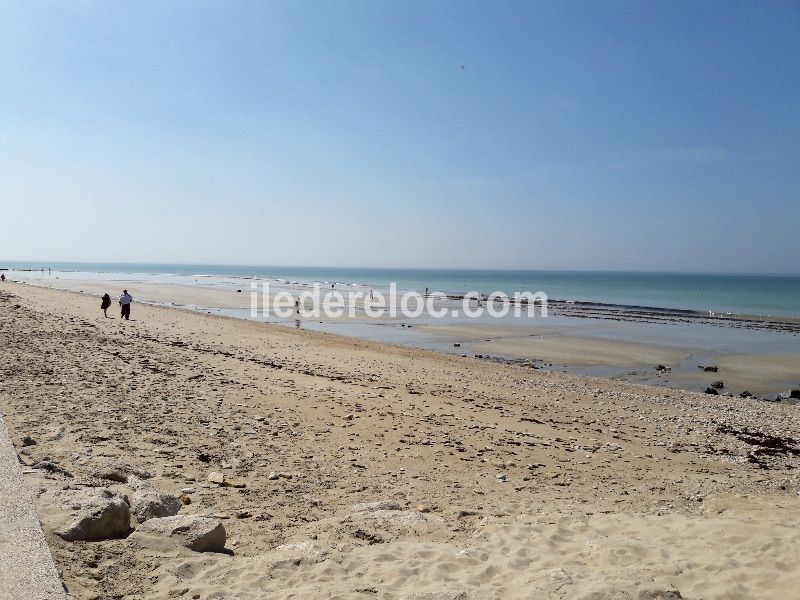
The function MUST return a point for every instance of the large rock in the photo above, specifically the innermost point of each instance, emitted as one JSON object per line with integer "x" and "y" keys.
{"x": 148, "y": 503}
{"x": 201, "y": 534}
{"x": 90, "y": 514}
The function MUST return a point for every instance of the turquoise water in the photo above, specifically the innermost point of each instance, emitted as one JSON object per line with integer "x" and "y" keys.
{"x": 768, "y": 295}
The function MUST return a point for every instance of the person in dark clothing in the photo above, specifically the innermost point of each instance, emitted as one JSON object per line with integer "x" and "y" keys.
{"x": 105, "y": 303}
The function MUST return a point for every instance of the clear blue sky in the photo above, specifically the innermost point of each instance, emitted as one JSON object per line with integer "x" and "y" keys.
{"x": 587, "y": 135}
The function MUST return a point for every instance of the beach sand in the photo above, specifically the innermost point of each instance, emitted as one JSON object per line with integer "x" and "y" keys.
{"x": 360, "y": 470}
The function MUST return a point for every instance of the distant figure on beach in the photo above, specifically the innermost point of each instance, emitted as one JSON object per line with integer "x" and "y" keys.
{"x": 297, "y": 306}
{"x": 2, "y": 276}
{"x": 125, "y": 304}
{"x": 105, "y": 303}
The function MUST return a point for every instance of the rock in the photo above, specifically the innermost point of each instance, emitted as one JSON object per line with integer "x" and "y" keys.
{"x": 272, "y": 476}
{"x": 745, "y": 394}
{"x": 710, "y": 369}
{"x": 91, "y": 514}
{"x": 663, "y": 369}
{"x": 55, "y": 434}
{"x": 712, "y": 391}
{"x": 137, "y": 483}
{"x": 216, "y": 477}
{"x": 792, "y": 394}
{"x": 370, "y": 538}
{"x": 28, "y": 441}
{"x": 51, "y": 467}
{"x": 201, "y": 534}
{"x": 185, "y": 499}
{"x": 423, "y": 508}
{"x": 149, "y": 504}
{"x": 718, "y": 384}
{"x": 120, "y": 472}
{"x": 235, "y": 483}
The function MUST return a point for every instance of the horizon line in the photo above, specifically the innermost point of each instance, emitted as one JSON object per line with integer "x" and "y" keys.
{"x": 411, "y": 268}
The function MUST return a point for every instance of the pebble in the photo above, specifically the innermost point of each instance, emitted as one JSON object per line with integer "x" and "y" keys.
{"x": 216, "y": 477}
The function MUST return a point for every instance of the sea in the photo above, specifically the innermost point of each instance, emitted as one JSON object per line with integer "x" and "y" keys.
{"x": 744, "y": 294}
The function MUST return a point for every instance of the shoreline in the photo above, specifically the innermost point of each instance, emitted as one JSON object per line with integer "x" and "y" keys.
{"x": 760, "y": 357}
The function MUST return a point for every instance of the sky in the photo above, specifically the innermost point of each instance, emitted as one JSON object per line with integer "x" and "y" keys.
{"x": 655, "y": 136}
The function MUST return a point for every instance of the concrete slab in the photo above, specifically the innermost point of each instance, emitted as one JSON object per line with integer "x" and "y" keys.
{"x": 27, "y": 569}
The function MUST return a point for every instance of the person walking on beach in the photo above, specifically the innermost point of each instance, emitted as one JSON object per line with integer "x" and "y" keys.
{"x": 2, "y": 277}
{"x": 105, "y": 303}
{"x": 125, "y": 304}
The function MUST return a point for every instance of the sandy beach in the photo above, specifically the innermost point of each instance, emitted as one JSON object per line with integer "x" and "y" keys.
{"x": 342, "y": 468}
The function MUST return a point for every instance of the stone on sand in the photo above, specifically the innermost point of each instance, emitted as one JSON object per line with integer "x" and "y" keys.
{"x": 201, "y": 534}
{"x": 56, "y": 434}
{"x": 118, "y": 471}
{"x": 148, "y": 503}
{"x": 90, "y": 514}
